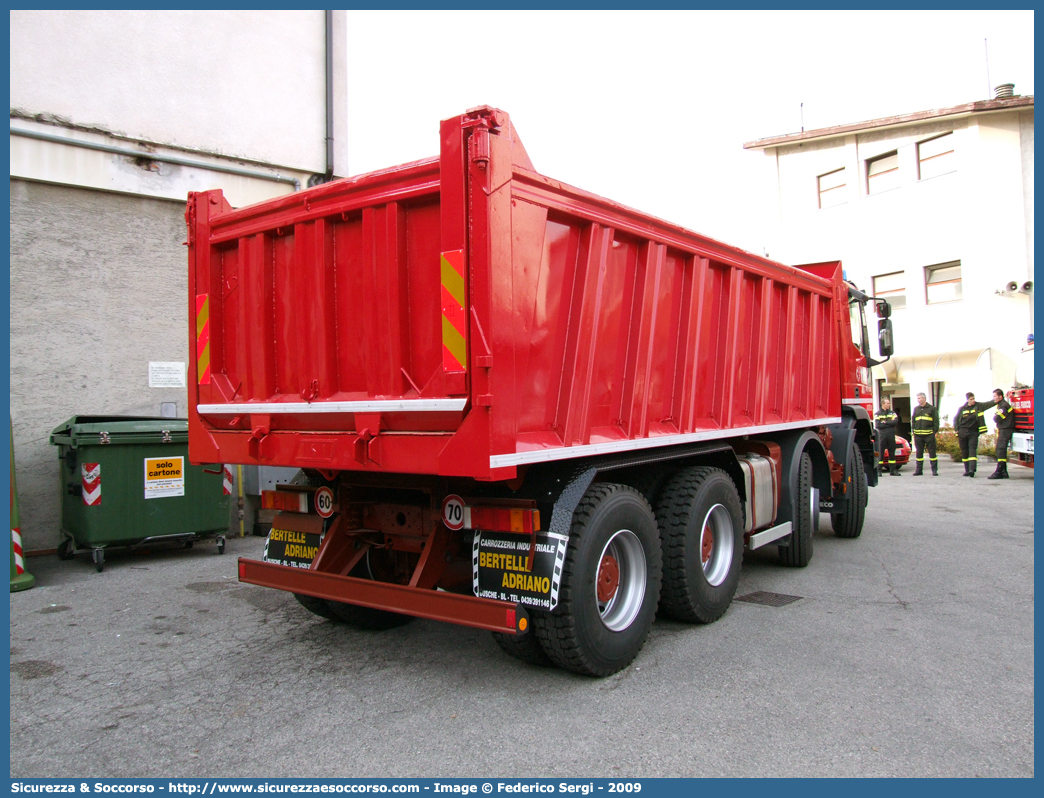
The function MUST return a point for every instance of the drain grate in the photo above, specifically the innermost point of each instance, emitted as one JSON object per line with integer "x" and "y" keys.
{"x": 769, "y": 599}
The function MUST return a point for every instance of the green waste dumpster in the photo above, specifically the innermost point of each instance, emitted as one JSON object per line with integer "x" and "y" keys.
{"x": 126, "y": 481}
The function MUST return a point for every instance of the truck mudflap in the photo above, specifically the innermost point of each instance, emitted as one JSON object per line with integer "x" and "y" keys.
{"x": 481, "y": 613}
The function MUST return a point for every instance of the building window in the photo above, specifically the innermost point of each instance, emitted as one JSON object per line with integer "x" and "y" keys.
{"x": 832, "y": 188}
{"x": 943, "y": 282}
{"x": 935, "y": 157}
{"x": 882, "y": 173}
{"x": 892, "y": 287}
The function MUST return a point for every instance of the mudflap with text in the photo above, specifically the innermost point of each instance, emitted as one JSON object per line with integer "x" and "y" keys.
{"x": 294, "y": 540}
{"x": 522, "y": 569}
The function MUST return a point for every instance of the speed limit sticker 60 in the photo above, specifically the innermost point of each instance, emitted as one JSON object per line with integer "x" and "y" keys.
{"x": 324, "y": 502}
{"x": 453, "y": 512}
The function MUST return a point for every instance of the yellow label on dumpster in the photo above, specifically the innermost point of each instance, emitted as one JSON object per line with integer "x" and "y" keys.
{"x": 164, "y": 476}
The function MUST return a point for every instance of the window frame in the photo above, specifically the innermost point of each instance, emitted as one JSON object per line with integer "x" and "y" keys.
{"x": 937, "y": 267}
{"x": 840, "y": 188}
{"x": 893, "y": 171}
{"x": 888, "y": 294}
{"x": 952, "y": 153}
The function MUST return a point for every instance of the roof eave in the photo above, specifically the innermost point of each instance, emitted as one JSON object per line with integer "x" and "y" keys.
{"x": 903, "y": 120}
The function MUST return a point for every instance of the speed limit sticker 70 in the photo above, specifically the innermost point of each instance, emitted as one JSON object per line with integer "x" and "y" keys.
{"x": 324, "y": 502}
{"x": 454, "y": 512}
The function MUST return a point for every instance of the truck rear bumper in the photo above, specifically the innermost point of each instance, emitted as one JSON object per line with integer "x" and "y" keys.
{"x": 481, "y": 613}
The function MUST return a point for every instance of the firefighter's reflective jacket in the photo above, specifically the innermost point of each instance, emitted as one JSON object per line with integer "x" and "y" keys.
{"x": 1004, "y": 417}
{"x": 925, "y": 420}
{"x": 970, "y": 419}
{"x": 886, "y": 420}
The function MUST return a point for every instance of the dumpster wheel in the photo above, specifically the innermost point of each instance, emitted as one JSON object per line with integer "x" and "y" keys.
{"x": 66, "y": 549}
{"x": 99, "y": 559}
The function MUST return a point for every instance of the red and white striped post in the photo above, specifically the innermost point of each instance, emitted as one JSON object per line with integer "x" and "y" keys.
{"x": 20, "y": 578}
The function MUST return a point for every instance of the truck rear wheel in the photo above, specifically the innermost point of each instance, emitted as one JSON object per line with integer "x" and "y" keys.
{"x": 523, "y": 647}
{"x": 366, "y": 617}
{"x": 316, "y": 606}
{"x": 650, "y": 482}
{"x": 849, "y": 522}
{"x": 701, "y": 524}
{"x": 610, "y": 584}
{"x": 799, "y": 551}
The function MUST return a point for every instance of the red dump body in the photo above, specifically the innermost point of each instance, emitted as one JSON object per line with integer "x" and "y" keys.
{"x": 465, "y": 315}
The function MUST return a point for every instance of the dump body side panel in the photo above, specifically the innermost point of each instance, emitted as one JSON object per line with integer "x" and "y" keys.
{"x": 323, "y": 322}
{"x": 624, "y": 332}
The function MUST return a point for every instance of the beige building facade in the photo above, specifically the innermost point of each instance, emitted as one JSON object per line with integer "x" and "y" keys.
{"x": 934, "y": 211}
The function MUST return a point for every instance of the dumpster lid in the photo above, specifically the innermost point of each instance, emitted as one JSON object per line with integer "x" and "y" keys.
{"x": 91, "y": 430}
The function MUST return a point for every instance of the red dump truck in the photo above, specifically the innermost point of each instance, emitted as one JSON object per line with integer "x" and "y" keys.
{"x": 519, "y": 406}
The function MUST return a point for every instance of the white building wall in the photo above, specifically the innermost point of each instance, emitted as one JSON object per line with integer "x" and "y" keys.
{"x": 139, "y": 169}
{"x": 243, "y": 84}
{"x": 980, "y": 214}
{"x": 1026, "y": 142}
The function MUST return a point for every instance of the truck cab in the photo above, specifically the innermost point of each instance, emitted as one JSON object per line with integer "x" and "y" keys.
{"x": 1021, "y": 399}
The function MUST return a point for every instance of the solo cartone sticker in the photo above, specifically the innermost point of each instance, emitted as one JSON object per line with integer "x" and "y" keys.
{"x": 164, "y": 476}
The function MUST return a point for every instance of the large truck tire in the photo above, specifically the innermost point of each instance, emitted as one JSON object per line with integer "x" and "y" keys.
{"x": 317, "y": 606}
{"x": 650, "y": 482}
{"x": 366, "y": 617}
{"x": 849, "y": 522}
{"x": 701, "y": 528}
{"x": 525, "y": 647}
{"x": 798, "y": 552}
{"x": 610, "y": 584}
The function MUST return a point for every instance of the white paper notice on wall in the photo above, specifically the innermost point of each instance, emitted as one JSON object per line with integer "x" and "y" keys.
{"x": 166, "y": 374}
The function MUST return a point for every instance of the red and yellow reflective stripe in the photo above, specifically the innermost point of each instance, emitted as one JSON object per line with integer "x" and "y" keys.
{"x": 203, "y": 338}
{"x": 454, "y": 320}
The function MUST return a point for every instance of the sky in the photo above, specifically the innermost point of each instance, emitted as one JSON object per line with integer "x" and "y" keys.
{"x": 651, "y": 109}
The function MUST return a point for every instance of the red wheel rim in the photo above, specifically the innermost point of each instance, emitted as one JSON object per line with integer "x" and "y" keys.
{"x": 608, "y": 578}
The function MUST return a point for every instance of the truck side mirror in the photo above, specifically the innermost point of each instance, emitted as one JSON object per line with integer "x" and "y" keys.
{"x": 884, "y": 337}
{"x": 883, "y": 308}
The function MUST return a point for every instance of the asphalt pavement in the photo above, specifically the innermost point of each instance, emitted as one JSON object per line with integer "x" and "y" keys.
{"x": 908, "y": 653}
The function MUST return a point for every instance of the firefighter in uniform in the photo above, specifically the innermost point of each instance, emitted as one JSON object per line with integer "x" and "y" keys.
{"x": 969, "y": 423}
{"x": 925, "y": 424}
{"x": 1005, "y": 420}
{"x": 886, "y": 422}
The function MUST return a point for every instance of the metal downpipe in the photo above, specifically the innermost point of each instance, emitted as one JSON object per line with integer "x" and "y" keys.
{"x": 329, "y": 98}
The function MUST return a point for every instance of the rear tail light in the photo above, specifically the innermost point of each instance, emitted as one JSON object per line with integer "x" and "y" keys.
{"x": 502, "y": 519}
{"x": 284, "y": 500}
